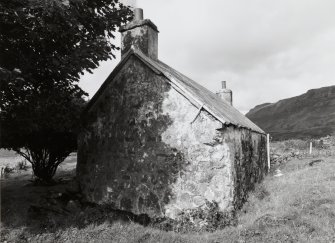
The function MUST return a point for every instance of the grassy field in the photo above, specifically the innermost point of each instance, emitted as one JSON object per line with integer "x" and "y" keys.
{"x": 298, "y": 206}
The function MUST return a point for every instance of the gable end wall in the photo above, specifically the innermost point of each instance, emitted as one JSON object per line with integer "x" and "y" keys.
{"x": 140, "y": 152}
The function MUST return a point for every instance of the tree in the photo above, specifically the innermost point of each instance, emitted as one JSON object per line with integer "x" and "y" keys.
{"x": 44, "y": 130}
{"x": 44, "y": 47}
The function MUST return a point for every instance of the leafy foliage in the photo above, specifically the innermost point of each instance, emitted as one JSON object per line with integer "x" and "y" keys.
{"x": 44, "y": 130}
{"x": 57, "y": 40}
{"x": 44, "y": 47}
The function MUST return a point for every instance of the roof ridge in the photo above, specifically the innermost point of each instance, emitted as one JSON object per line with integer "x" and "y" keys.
{"x": 251, "y": 125}
{"x": 198, "y": 95}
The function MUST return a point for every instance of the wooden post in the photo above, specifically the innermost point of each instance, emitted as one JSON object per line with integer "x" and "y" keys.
{"x": 268, "y": 150}
{"x": 310, "y": 147}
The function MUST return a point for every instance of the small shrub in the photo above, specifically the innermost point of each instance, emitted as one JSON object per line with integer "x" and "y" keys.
{"x": 261, "y": 192}
{"x": 7, "y": 170}
{"x": 22, "y": 165}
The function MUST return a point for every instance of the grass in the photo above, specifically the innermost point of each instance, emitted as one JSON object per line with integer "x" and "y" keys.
{"x": 296, "y": 207}
{"x": 300, "y": 205}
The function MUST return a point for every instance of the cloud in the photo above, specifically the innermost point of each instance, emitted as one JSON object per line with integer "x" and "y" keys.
{"x": 266, "y": 50}
{"x": 132, "y": 3}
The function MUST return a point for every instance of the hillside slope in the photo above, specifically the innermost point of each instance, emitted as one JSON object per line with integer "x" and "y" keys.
{"x": 309, "y": 115}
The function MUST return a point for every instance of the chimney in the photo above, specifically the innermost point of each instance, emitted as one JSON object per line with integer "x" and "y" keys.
{"x": 140, "y": 33}
{"x": 225, "y": 94}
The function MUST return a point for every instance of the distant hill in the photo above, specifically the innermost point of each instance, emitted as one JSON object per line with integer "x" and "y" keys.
{"x": 308, "y": 115}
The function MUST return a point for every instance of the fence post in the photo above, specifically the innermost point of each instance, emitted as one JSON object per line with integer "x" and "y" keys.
{"x": 268, "y": 150}
{"x": 310, "y": 147}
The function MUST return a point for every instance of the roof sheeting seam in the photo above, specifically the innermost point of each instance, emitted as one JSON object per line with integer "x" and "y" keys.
{"x": 189, "y": 96}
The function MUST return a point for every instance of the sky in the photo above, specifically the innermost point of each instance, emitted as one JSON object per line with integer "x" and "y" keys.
{"x": 266, "y": 50}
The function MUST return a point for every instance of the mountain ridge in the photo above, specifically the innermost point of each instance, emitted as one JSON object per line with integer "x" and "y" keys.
{"x": 309, "y": 115}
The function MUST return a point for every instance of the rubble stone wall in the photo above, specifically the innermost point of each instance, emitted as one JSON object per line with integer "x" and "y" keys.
{"x": 146, "y": 149}
{"x": 122, "y": 159}
{"x": 206, "y": 174}
{"x": 249, "y": 156}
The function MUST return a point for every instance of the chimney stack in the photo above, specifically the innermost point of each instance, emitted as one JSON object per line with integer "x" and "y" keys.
{"x": 224, "y": 84}
{"x": 140, "y": 33}
{"x": 225, "y": 94}
{"x": 138, "y": 14}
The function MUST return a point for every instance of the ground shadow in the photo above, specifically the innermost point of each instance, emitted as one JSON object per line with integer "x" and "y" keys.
{"x": 47, "y": 209}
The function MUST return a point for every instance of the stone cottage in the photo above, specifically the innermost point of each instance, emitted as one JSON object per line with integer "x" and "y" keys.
{"x": 156, "y": 142}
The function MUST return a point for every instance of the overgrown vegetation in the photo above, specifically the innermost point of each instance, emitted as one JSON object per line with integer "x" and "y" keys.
{"x": 205, "y": 219}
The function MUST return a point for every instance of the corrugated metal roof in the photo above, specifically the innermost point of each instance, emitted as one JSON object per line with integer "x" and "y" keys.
{"x": 198, "y": 95}
{"x": 201, "y": 97}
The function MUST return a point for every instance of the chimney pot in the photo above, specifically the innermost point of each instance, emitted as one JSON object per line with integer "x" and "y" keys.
{"x": 140, "y": 34}
{"x": 225, "y": 94}
{"x": 138, "y": 14}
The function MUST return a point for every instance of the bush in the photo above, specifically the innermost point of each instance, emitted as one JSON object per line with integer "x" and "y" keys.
{"x": 7, "y": 170}
{"x": 261, "y": 192}
{"x": 22, "y": 165}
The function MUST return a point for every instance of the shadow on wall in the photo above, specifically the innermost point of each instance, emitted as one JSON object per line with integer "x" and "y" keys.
{"x": 250, "y": 162}
{"x": 121, "y": 158}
